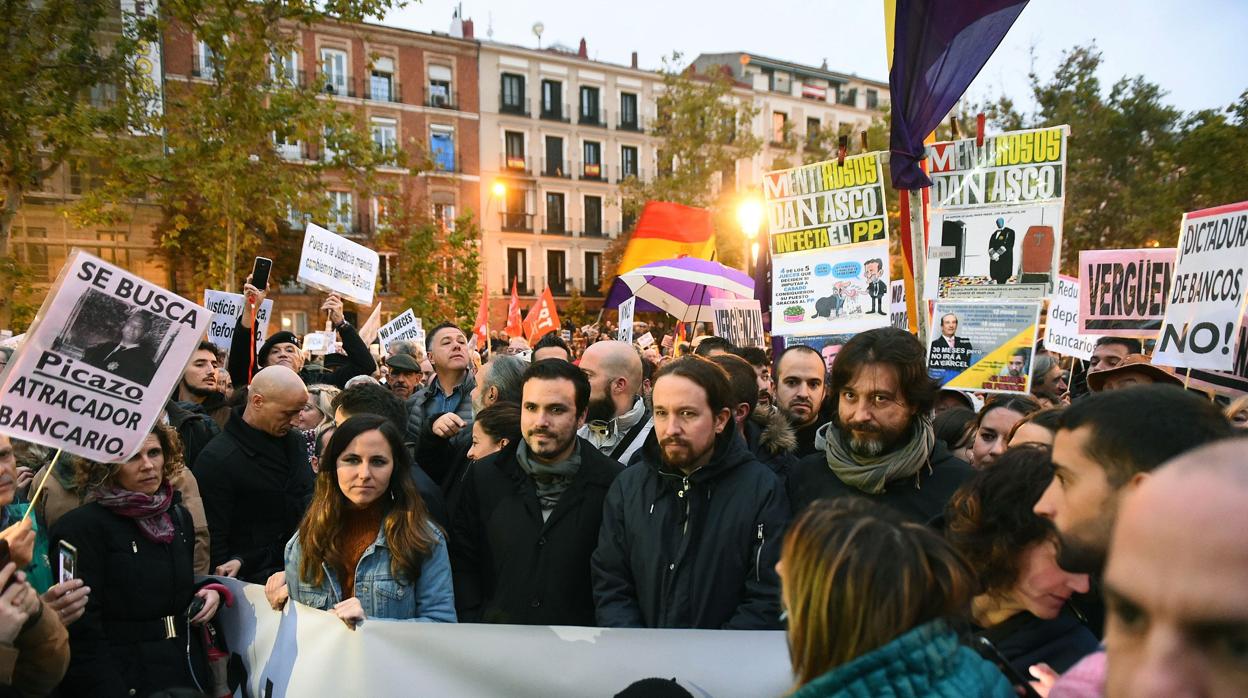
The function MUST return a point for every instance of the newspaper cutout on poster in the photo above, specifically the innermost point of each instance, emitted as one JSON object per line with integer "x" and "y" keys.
{"x": 1206, "y": 300}
{"x": 1124, "y": 292}
{"x": 101, "y": 358}
{"x": 996, "y": 215}
{"x": 626, "y": 310}
{"x": 739, "y": 321}
{"x": 828, "y": 235}
{"x": 898, "y": 314}
{"x": 984, "y": 347}
{"x": 226, "y": 309}
{"x": 405, "y": 326}
{"x": 1061, "y": 329}
{"x": 828, "y": 345}
{"x": 334, "y": 264}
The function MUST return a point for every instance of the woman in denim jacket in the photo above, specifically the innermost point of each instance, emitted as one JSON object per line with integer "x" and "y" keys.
{"x": 366, "y": 547}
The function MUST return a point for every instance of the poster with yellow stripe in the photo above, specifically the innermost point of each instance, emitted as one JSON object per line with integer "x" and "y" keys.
{"x": 983, "y": 347}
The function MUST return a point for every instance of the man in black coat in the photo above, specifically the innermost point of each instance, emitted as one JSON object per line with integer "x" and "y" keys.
{"x": 877, "y": 289}
{"x": 528, "y": 518}
{"x": 255, "y": 478}
{"x": 880, "y": 444}
{"x": 129, "y": 357}
{"x": 691, "y": 530}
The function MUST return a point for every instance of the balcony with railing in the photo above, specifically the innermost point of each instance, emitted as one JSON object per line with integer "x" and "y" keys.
{"x": 524, "y": 285}
{"x": 557, "y": 168}
{"x": 590, "y": 288}
{"x": 558, "y": 226}
{"x": 442, "y": 100}
{"x": 446, "y": 164}
{"x": 515, "y": 164}
{"x": 339, "y": 86}
{"x": 202, "y": 67}
{"x": 556, "y": 112}
{"x": 622, "y": 173}
{"x": 593, "y": 171}
{"x": 516, "y": 222}
{"x": 598, "y": 118}
{"x": 630, "y": 122}
{"x": 520, "y": 108}
{"x": 382, "y": 90}
{"x": 559, "y": 286}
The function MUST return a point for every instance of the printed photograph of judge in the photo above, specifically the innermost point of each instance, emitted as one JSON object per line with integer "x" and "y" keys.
{"x": 128, "y": 356}
{"x": 954, "y": 351}
{"x": 116, "y": 336}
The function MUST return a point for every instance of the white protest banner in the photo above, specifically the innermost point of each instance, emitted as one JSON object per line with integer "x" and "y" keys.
{"x": 320, "y": 343}
{"x": 100, "y": 360}
{"x": 739, "y": 321}
{"x": 826, "y": 224}
{"x": 985, "y": 347}
{"x": 226, "y": 308}
{"x": 1207, "y": 294}
{"x": 405, "y": 326}
{"x": 627, "y": 310}
{"x": 996, "y": 215}
{"x": 898, "y": 315}
{"x": 302, "y": 651}
{"x": 645, "y": 340}
{"x": 1061, "y": 330}
{"x": 334, "y": 264}
{"x": 1232, "y": 383}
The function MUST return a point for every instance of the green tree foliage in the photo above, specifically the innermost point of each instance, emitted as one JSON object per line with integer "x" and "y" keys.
{"x": 58, "y": 56}
{"x": 211, "y": 160}
{"x": 439, "y": 265}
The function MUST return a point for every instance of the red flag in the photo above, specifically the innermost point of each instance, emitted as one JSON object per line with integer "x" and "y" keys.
{"x": 543, "y": 317}
{"x": 515, "y": 326}
{"x": 481, "y": 330}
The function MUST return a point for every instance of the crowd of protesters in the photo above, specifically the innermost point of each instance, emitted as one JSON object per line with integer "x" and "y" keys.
{"x": 1084, "y": 540}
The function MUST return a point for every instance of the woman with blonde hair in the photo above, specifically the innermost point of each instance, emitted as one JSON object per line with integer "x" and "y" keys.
{"x": 869, "y": 598}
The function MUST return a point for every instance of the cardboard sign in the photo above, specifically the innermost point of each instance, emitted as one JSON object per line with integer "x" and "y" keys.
{"x": 983, "y": 346}
{"x": 405, "y": 326}
{"x": 898, "y": 315}
{"x": 645, "y": 340}
{"x": 1123, "y": 292}
{"x": 1207, "y": 298}
{"x": 320, "y": 343}
{"x": 627, "y": 310}
{"x": 226, "y": 309}
{"x": 100, "y": 360}
{"x": 334, "y": 264}
{"x": 739, "y": 321}
{"x": 1061, "y": 330}
{"x": 827, "y": 224}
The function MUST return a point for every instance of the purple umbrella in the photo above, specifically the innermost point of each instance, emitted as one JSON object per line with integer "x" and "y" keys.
{"x": 681, "y": 287}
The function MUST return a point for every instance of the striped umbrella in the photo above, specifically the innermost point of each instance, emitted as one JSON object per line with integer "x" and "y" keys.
{"x": 681, "y": 287}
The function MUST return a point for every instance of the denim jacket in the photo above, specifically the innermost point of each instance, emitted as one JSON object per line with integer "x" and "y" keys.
{"x": 381, "y": 594}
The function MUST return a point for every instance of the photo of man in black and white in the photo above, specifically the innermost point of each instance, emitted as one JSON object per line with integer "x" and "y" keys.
{"x": 129, "y": 356}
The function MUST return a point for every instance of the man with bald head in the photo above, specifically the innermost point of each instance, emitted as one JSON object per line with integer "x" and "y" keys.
{"x": 618, "y": 421}
{"x": 255, "y": 478}
{"x": 1176, "y": 584}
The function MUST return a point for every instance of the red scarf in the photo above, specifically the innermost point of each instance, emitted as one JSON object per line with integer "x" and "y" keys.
{"x": 149, "y": 511}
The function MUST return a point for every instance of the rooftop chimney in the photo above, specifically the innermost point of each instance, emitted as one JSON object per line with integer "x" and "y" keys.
{"x": 583, "y": 51}
{"x": 468, "y": 29}
{"x": 634, "y": 60}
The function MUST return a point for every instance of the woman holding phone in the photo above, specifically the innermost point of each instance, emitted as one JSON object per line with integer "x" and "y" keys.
{"x": 135, "y": 546}
{"x": 366, "y": 548}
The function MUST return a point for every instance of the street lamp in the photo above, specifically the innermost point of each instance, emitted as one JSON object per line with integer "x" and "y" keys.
{"x": 750, "y": 217}
{"x": 499, "y": 189}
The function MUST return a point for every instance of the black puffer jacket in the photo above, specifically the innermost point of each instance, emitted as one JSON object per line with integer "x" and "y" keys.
{"x": 770, "y": 437}
{"x": 692, "y": 552}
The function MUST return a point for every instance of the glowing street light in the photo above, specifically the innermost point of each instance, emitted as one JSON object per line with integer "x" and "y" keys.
{"x": 750, "y": 217}
{"x": 499, "y": 189}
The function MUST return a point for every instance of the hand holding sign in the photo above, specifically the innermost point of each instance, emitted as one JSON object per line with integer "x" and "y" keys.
{"x": 333, "y": 304}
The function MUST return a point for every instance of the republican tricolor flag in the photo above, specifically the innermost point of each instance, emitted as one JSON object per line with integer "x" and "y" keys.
{"x": 667, "y": 231}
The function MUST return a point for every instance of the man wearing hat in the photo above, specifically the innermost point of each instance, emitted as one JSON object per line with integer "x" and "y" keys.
{"x": 283, "y": 349}
{"x": 405, "y": 375}
{"x": 1134, "y": 369}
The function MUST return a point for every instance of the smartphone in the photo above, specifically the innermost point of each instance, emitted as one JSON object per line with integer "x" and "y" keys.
{"x": 67, "y": 557}
{"x": 260, "y": 272}
{"x": 988, "y": 651}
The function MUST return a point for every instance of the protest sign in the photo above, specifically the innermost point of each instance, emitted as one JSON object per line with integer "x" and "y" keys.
{"x": 983, "y": 346}
{"x": 1232, "y": 383}
{"x": 828, "y": 345}
{"x": 1206, "y": 299}
{"x": 739, "y": 321}
{"x": 1123, "y": 292}
{"x": 226, "y": 309}
{"x": 626, "y": 310}
{"x": 827, "y": 224}
{"x": 334, "y": 264}
{"x": 646, "y": 340}
{"x": 996, "y": 215}
{"x": 405, "y": 326}
{"x": 100, "y": 360}
{"x": 898, "y": 316}
{"x": 1061, "y": 329}
{"x": 320, "y": 343}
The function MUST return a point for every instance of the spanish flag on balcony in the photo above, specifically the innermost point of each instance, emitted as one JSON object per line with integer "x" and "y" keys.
{"x": 666, "y": 231}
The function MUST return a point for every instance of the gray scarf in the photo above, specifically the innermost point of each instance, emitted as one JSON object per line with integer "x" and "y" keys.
{"x": 872, "y": 474}
{"x": 551, "y": 480}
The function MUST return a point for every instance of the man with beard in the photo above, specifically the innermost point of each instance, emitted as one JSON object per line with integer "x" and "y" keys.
{"x": 529, "y": 515}
{"x": 801, "y": 390}
{"x": 768, "y": 435}
{"x": 757, "y": 358}
{"x": 282, "y": 348}
{"x": 198, "y": 410}
{"x": 691, "y": 531}
{"x": 880, "y": 444}
{"x": 439, "y": 416}
{"x": 618, "y": 422}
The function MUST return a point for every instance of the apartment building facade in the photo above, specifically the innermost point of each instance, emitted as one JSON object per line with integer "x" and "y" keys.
{"x": 559, "y": 133}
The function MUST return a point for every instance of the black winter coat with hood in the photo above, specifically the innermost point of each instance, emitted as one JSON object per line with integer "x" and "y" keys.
{"x": 692, "y": 552}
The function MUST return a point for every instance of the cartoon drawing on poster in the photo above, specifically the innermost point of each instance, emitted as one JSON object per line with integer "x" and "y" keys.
{"x": 226, "y": 309}
{"x": 983, "y": 346}
{"x": 828, "y": 345}
{"x": 1206, "y": 298}
{"x": 1124, "y": 292}
{"x": 898, "y": 315}
{"x": 993, "y": 253}
{"x": 1061, "y": 329}
{"x": 840, "y": 290}
{"x": 101, "y": 358}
